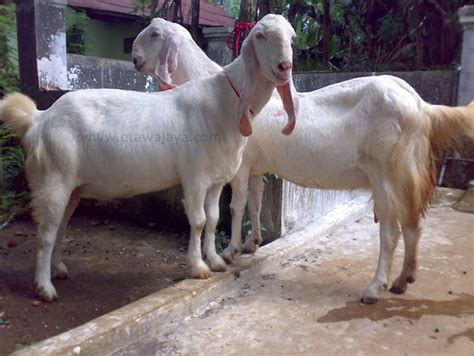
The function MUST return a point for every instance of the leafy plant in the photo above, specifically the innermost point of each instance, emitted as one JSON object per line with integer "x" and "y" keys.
{"x": 9, "y": 77}
{"x": 375, "y": 35}
{"x": 222, "y": 241}
{"x": 14, "y": 195}
{"x": 13, "y": 188}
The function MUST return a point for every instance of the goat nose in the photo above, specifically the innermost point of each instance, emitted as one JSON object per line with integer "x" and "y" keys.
{"x": 137, "y": 62}
{"x": 284, "y": 66}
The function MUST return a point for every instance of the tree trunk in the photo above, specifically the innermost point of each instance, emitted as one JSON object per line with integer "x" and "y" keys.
{"x": 195, "y": 5}
{"x": 248, "y": 10}
{"x": 177, "y": 17}
{"x": 326, "y": 30}
{"x": 174, "y": 10}
{"x": 265, "y": 7}
{"x": 419, "y": 44}
{"x": 153, "y": 6}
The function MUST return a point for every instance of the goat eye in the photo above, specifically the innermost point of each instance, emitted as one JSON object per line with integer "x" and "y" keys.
{"x": 155, "y": 34}
{"x": 260, "y": 36}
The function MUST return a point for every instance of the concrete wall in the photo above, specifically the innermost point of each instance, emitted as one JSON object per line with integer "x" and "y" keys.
{"x": 216, "y": 44}
{"x": 435, "y": 87}
{"x": 466, "y": 80}
{"x": 85, "y": 72}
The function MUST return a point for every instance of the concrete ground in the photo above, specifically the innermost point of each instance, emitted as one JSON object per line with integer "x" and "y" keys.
{"x": 307, "y": 301}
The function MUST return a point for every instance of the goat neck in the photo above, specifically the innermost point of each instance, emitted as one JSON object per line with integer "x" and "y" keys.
{"x": 264, "y": 88}
{"x": 193, "y": 63}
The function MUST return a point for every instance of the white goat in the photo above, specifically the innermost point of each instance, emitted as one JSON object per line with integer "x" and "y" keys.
{"x": 106, "y": 144}
{"x": 167, "y": 50}
{"x": 374, "y": 133}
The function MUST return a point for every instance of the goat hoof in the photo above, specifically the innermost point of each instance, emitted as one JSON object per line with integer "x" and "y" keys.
{"x": 200, "y": 271}
{"x": 217, "y": 264}
{"x": 61, "y": 275}
{"x": 411, "y": 279}
{"x": 229, "y": 254}
{"x": 397, "y": 290}
{"x": 369, "y": 300}
{"x": 61, "y": 272}
{"x": 250, "y": 247}
{"x": 47, "y": 293}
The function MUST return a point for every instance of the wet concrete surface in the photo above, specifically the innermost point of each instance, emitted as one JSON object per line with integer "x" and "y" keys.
{"x": 308, "y": 301}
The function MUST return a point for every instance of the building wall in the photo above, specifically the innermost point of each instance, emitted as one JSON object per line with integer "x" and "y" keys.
{"x": 104, "y": 39}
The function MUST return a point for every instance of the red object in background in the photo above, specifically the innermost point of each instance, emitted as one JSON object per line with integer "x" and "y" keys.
{"x": 236, "y": 37}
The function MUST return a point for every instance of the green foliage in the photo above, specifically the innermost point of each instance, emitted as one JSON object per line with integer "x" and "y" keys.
{"x": 376, "y": 35}
{"x": 269, "y": 177}
{"x": 222, "y": 241}
{"x": 144, "y": 7}
{"x": 368, "y": 35}
{"x": 14, "y": 195}
{"x": 9, "y": 77}
{"x": 231, "y": 6}
{"x": 141, "y": 7}
{"x": 13, "y": 188}
{"x": 20, "y": 346}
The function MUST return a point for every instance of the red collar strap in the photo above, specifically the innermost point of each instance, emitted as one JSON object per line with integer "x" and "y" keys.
{"x": 235, "y": 38}
{"x": 164, "y": 87}
{"x": 235, "y": 89}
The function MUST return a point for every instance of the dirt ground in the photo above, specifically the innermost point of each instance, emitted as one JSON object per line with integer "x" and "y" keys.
{"x": 110, "y": 263}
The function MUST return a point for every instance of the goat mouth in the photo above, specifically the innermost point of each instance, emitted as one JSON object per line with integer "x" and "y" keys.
{"x": 283, "y": 78}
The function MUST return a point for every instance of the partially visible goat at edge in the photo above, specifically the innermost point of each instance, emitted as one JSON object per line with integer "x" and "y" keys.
{"x": 76, "y": 148}
{"x": 374, "y": 133}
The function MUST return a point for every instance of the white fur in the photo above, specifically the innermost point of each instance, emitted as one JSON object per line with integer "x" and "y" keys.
{"x": 109, "y": 143}
{"x": 344, "y": 139}
{"x": 152, "y": 43}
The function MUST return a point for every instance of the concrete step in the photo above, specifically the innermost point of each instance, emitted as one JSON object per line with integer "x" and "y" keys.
{"x": 116, "y": 330}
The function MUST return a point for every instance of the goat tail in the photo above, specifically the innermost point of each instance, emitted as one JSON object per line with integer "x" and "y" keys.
{"x": 450, "y": 123}
{"x": 18, "y": 111}
{"x": 424, "y": 139}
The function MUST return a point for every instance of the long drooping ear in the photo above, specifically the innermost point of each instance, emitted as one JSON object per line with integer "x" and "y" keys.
{"x": 168, "y": 59}
{"x": 249, "y": 84}
{"x": 291, "y": 104}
